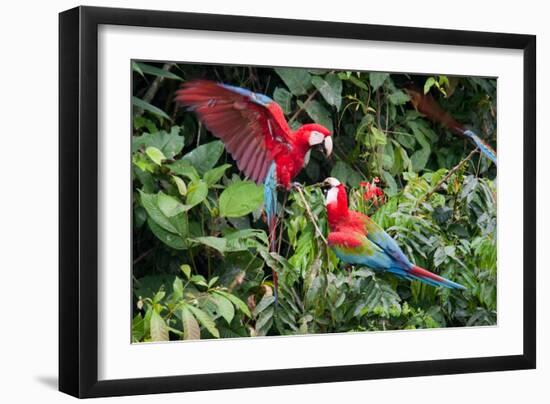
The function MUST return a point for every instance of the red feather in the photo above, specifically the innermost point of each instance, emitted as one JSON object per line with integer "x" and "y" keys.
{"x": 344, "y": 239}
{"x": 255, "y": 134}
{"x": 424, "y": 273}
{"x": 250, "y": 131}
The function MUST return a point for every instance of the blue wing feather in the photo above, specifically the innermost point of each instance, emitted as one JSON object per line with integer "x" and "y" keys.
{"x": 484, "y": 147}
{"x": 257, "y": 98}
{"x": 270, "y": 198}
{"x": 270, "y": 203}
{"x": 382, "y": 239}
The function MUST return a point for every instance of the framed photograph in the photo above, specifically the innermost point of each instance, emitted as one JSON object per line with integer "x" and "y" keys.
{"x": 250, "y": 201}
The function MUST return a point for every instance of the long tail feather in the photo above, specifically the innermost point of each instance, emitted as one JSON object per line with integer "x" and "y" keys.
{"x": 430, "y": 278}
{"x": 270, "y": 202}
{"x": 484, "y": 147}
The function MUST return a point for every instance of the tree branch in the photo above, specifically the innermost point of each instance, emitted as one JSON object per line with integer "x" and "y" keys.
{"x": 310, "y": 214}
{"x": 307, "y": 101}
{"x": 447, "y": 176}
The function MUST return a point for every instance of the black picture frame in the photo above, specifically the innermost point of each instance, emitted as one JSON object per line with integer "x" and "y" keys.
{"x": 78, "y": 201}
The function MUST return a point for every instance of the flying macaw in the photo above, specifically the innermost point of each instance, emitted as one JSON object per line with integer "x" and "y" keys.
{"x": 427, "y": 105}
{"x": 256, "y": 134}
{"x": 357, "y": 239}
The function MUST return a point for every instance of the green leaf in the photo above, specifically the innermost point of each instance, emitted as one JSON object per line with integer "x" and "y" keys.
{"x": 159, "y": 296}
{"x": 264, "y": 321}
{"x": 284, "y": 99}
{"x": 379, "y": 136}
{"x": 390, "y": 183}
{"x": 138, "y": 328}
{"x": 380, "y": 298}
{"x": 377, "y": 79}
{"x": 205, "y": 157}
{"x": 144, "y": 105}
{"x": 357, "y": 82}
{"x": 155, "y": 155}
{"x": 346, "y": 174}
{"x": 191, "y": 329}
{"x": 297, "y": 80}
{"x": 406, "y": 140}
{"x": 240, "y": 198}
{"x": 196, "y": 193}
{"x": 217, "y": 243}
{"x": 140, "y": 216}
{"x": 170, "y": 206}
{"x": 205, "y": 320}
{"x": 439, "y": 256}
{"x": 144, "y": 164}
{"x": 137, "y": 69}
{"x": 419, "y": 159}
{"x": 430, "y": 82}
{"x": 199, "y": 280}
{"x": 159, "y": 329}
{"x": 239, "y": 304}
{"x": 149, "y": 285}
{"x": 181, "y": 223}
{"x": 185, "y": 169}
{"x": 155, "y": 71}
{"x": 225, "y": 307}
{"x": 318, "y": 113}
{"x": 398, "y": 97}
{"x": 213, "y": 281}
{"x": 442, "y": 214}
{"x": 215, "y": 174}
{"x": 242, "y": 240}
{"x": 264, "y": 303}
{"x": 149, "y": 202}
{"x": 169, "y": 229}
{"x": 141, "y": 122}
{"x": 180, "y": 184}
{"x": 177, "y": 286}
{"x": 330, "y": 88}
{"x": 170, "y": 144}
{"x": 170, "y": 239}
{"x": 186, "y": 269}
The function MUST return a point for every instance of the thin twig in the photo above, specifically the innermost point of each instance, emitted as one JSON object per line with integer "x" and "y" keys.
{"x": 310, "y": 214}
{"x": 447, "y": 176}
{"x": 307, "y": 101}
{"x": 146, "y": 253}
{"x": 151, "y": 91}
{"x": 199, "y": 133}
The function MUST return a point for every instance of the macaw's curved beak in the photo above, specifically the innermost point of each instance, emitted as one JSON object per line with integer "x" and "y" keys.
{"x": 328, "y": 145}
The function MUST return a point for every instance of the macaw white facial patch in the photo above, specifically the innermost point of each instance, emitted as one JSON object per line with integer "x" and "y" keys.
{"x": 316, "y": 138}
{"x": 332, "y": 196}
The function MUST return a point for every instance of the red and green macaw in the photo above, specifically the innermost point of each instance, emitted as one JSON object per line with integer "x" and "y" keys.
{"x": 427, "y": 105}
{"x": 256, "y": 134}
{"x": 357, "y": 239}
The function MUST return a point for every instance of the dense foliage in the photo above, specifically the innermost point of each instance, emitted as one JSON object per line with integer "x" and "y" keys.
{"x": 201, "y": 263}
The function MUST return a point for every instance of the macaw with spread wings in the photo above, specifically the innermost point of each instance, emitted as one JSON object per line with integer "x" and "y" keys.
{"x": 256, "y": 134}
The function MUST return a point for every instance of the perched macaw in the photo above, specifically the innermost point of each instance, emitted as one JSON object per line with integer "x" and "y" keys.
{"x": 357, "y": 239}
{"x": 256, "y": 134}
{"x": 427, "y": 105}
